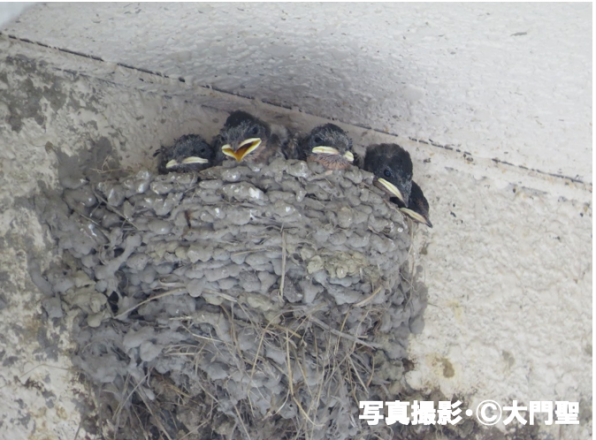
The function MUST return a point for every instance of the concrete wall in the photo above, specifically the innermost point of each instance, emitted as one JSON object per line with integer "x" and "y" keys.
{"x": 492, "y": 100}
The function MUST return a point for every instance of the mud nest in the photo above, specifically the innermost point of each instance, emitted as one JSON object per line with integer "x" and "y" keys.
{"x": 259, "y": 302}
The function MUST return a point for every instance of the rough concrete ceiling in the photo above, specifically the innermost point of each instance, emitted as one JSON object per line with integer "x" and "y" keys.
{"x": 469, "y": 75}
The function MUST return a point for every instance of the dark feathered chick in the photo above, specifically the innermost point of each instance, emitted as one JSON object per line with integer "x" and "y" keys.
{"x": 392, "y": 167}
{"x": 328, "y": 145}
{"x": 417, "y": 209}
{"x": 189, "y": 153}
{"x": 245, "y": 138}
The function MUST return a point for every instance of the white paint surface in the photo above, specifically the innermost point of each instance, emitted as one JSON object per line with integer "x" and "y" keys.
{"x": 9, "y": 11}
{"x": 456, "y": 74}
{"x": 508, "y": 264}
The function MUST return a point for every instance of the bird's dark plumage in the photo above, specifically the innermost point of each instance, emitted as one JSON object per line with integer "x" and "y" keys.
{"x": 189, "y": 153}
{"x": 417, "y": 209}
{"x": 327, "y": 144}
{"x": 392, "y": 167}
{"x": 246, "y": 138}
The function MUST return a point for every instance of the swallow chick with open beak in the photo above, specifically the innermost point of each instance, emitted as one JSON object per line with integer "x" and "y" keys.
{"x": 393, "y": 169}
{"x": 417, "y": 209}
{"x": 328, "y": 145}
{"x": 189, "y": 153}
{"x": 246, "y": 139}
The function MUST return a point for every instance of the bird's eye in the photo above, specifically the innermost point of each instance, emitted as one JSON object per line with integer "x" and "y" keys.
{"x": 318, "y": 139}
{"x": 387, "y": 173}
{"x": 254, "y": 130}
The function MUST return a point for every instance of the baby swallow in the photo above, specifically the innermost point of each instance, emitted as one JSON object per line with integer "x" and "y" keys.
{"x": 417, "y": 209}
{"x": 189, "y": 153}
{"x": 328, "y": 145}
{"x": 392, "y": 167}
{"x": 245, "y": 138}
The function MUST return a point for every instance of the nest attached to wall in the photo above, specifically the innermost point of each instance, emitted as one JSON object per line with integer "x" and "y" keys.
{"x": 249, "y": 301}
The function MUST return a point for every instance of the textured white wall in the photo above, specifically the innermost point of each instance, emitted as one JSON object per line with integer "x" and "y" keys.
{"x": 9, "y": 11}
{"x": 458, "y": 74}
{"x": 508, "y": 264}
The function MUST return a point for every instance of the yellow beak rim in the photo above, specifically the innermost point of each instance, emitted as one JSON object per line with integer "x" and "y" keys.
{"x": 194, "y": 160}
{"x": 325, "y": 150}
{"x": 172, "y": 164}
{"x": 416, "y": 217}
{"x": 392, "y": 189}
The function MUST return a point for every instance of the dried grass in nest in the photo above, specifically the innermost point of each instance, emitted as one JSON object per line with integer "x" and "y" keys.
{"x": 238, "y": 363}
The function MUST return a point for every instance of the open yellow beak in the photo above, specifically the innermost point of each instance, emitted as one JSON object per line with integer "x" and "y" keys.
{"x": 246, "y": 147}
{"x": 349, "y": 156}
{"x": 416, "y": 217}
{"x": 392, "y": 189}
